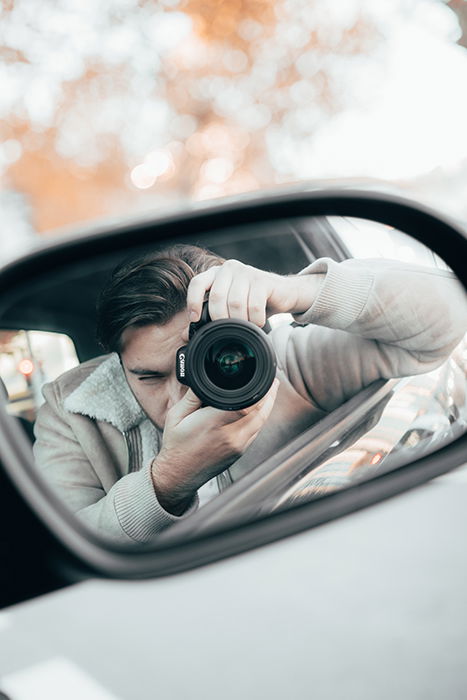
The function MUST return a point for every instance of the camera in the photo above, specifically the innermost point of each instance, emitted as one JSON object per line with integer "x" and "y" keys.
{"x": 229, "y": 363}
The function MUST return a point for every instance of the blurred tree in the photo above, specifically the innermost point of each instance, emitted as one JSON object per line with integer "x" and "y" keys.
{"x": 187, "y": 98}
{"x": 123, "y": 105}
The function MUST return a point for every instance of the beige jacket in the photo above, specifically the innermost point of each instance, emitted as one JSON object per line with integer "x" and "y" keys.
{"x": 371, "y": 319}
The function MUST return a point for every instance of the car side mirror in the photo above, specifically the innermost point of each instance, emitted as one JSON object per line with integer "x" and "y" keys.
{"x": 349, "y": 241}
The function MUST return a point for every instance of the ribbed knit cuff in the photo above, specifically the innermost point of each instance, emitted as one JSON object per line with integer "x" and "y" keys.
{"x": 138, "y": 511}
{"x": 342, "y": 295}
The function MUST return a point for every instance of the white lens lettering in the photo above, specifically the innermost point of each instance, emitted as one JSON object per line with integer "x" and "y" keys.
{"x": 181, "y": 364}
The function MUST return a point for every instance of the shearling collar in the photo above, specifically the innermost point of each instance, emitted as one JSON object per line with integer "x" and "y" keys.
{"x": 105, "y": 395}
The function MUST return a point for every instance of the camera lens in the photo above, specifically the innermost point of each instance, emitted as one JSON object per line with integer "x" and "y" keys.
{"x": 230, "y": 364}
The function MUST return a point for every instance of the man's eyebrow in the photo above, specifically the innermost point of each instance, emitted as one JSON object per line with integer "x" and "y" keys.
{"x": 142, "y": 372}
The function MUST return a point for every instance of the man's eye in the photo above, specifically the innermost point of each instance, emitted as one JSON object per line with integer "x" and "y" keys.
{"x": 150, "y": 377}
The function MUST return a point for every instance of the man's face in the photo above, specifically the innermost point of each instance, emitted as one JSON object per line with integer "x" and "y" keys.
{"x": 148, "y": 359}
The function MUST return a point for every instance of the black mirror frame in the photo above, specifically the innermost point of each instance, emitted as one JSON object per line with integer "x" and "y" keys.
{"x": 81, "y": 553}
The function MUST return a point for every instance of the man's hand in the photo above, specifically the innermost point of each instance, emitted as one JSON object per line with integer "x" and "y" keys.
{"x": 199, "y": 443}
{"x": 242, "y": 291}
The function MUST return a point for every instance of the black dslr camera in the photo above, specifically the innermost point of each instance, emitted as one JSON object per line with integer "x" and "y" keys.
{"x": 229, "y": 363}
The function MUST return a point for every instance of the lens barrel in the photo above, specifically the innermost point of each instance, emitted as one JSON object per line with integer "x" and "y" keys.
{"x": 229, "y": 363}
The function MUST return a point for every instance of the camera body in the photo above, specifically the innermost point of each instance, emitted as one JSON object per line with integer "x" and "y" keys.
{"x": 229, "y": 363}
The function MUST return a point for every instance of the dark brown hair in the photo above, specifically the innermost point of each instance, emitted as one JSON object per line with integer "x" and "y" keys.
{"x": 146, "y": 290}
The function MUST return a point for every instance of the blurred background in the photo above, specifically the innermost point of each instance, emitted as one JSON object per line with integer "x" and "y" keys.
{"x": 114, "y": 107}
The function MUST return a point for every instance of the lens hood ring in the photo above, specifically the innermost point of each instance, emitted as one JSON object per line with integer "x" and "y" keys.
{"x": 230, "y": 332}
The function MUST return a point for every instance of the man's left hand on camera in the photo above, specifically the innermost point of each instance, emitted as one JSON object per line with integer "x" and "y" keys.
{"x": 242, "y": 291}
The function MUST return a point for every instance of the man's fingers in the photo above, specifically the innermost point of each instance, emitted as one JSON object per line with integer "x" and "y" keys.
{"x": 219, "y": 293}
{"x": 263, "y": 406}
{"x": 191, "y": 403}
{"x": 267, "y": 402}
{"x": 235, "y": 291}
{"x": 257, "y": 300}
{"x": 253, "y": 422}
{"x": 237, "y": 301}
{"x": 183, "y": 408}
{"x": 197, "y": 289}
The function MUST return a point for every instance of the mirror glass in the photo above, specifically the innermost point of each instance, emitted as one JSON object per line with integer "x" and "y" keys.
{"x": 369, "y": 360}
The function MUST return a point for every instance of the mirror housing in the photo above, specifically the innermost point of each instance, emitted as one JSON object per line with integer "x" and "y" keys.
{"x": 85, "y": 552}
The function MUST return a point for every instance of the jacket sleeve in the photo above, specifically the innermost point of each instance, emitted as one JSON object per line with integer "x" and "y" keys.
{"x": 72, "y": 455}
{"x": 371, "y": 319}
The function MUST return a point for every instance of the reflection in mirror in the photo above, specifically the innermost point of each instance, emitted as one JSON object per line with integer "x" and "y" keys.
{"x": 149, "y": 428}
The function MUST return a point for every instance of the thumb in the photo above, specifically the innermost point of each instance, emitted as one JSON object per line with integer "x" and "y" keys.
{"x": 183, "y": 408}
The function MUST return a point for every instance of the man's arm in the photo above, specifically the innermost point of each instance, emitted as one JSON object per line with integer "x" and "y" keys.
{"x": 372, "y": 319}
{"x": 77, "y": 464}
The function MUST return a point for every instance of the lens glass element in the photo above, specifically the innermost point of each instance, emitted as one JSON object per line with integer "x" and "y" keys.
{"x": 230, "y": 364}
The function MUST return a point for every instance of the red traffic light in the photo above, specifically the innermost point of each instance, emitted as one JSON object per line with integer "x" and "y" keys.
{"x": 26, "y": 367}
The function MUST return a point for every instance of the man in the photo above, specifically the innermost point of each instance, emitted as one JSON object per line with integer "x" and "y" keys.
{"x": 128, "y": 447}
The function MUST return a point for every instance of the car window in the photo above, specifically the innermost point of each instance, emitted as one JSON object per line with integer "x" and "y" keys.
{"x": 418, "y": 418}
{"x": 279, "y": 249}
{"x": 29, "y": 359}
{"x": 359, "y": 236}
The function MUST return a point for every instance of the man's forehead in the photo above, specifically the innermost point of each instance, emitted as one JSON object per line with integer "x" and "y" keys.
{"x": 155, "y": 340}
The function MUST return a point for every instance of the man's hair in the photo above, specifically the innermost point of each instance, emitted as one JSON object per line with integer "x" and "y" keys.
{"x": 148, "y": 290}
